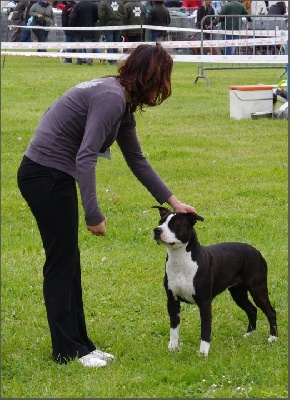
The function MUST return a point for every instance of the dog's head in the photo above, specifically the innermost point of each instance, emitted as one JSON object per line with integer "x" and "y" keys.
{"x": 175, "y": 229}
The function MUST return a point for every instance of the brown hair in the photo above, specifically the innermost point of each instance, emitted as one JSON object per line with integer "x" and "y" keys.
{"x": 146, "y": 75}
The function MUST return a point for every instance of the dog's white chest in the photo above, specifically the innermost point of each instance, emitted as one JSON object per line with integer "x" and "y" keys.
{"x": 181, "y": 270}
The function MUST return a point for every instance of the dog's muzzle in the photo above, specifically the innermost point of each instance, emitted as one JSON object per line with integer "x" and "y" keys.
{"x": 157, "y": 232}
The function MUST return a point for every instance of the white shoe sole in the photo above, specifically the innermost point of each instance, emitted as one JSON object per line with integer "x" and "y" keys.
{"x": 92, "y": 361}
{"x": 102, "y": 355}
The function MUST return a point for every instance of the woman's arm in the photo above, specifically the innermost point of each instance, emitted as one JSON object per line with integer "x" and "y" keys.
{"x": 144, "y": 172}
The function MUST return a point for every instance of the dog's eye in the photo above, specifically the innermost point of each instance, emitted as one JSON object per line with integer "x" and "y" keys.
{"x": 163, "y": 219}
{"x": 174, "y": 223}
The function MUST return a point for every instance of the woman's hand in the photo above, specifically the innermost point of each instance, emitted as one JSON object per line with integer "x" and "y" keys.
{"x": 178, "y": 206}
{"x": 98, "y": 230}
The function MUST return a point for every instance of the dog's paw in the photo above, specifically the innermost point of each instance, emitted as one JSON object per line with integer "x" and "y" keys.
{"x": 272, "y": 339}
{"x": 247, "y": 334}
{"x": 173, "y": 344}
{"x": 204, "y": 348}
{"x": 173, "y": 338}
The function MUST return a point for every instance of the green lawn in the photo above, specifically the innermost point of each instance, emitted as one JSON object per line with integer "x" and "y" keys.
{"x": 233, "y": 172}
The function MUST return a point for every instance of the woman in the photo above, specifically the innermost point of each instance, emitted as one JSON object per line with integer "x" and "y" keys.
{"x": 78, "y": 128}
{"x": 203, "y": 11}
{"x": 43, "y": 16}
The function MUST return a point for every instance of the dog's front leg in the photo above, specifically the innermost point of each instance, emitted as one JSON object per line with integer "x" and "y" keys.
{"x": 173, "y": 307}
{"x": 205, "y": 317}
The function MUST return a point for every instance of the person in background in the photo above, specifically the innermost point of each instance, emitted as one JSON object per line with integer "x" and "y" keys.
{"x": 135, "y": 14}
{"x": 18, "y": 19}
{"x": 258, "y": 8}
{"x": 191, "y": 4}
{"x": 159, "y": 16}
{"x": 112, "y": 13}
{"x": 247, "y": 5}
{"x": 70, "y": 36}
{"x": 59, "y": 5}
{"x": 26, "y": 33}
{"x": 278, "y": 8}
{"x": 173, "y": 3}
{"x": 228, "y": 23}
{"x": 43, "y": 16}
{"x": 204, "y": 10}
{"x": 77, "y": 129}
{"x": 148, "y": 5}
{"x": 84, "y": 14}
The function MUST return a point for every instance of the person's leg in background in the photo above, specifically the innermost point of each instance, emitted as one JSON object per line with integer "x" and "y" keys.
{"x": 80, "y": 60}
{"x": 112, "y": 36}
{"x": 69, "y": 39}
{"x": 16, "y": 32}
{"x": 41, "y": 35}
{"x": 158, "y": 36}
{"x": 117, "y": 39}
{"x": 25, "y": 35}
{"x": 109, "y": 35}
{"x": 228, "y": 50}
{"x": 89, "y": 40}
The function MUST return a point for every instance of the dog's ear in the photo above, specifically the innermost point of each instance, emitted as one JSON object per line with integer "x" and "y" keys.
{"x": 162, "y": 210}
{"x": 193, "y": 218}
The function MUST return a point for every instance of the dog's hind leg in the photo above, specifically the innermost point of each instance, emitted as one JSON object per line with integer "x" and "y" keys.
{"x": 261, "y": 298}
{"x": 173, "y": 308}
{"x": 240, "y": 296}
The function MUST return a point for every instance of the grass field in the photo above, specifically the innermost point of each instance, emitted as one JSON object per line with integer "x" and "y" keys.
{"x": 233, "y": 172}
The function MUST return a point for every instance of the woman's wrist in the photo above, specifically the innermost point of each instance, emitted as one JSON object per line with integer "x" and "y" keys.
{"x": 173, "y": 202}
{"x": 178, "y": 206}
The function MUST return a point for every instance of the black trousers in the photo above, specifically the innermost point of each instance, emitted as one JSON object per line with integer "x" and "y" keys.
{"x": 41, "y": 37}
{"x": 86, "y": 40}
{"x": 52, "y": 198}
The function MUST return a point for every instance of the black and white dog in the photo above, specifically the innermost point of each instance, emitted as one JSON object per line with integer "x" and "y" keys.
{"x": 196, "y": 274}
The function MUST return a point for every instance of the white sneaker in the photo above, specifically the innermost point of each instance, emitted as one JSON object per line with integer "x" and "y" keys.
{"x": 102, "y": 355}
{"x": 92, "y": 361}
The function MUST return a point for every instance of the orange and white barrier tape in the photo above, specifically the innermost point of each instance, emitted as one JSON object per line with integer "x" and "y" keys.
{"x": 224, "y": 59}
{"x": 128, "y": 45}
{"x": 271, "y": 38}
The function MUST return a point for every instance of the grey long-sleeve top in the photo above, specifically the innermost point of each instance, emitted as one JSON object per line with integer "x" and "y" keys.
{"x": 79, "y": 126}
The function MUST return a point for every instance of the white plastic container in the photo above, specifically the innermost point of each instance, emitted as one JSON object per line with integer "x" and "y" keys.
{"x": 246, "y": 100}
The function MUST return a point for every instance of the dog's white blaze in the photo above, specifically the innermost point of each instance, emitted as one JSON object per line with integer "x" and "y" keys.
{"x": 204, "y": 347}
{"x": 174, "y": 335}
{"x": 181, "y": 270}
{"x": 167, "y": 236}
